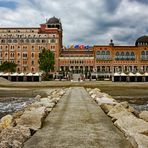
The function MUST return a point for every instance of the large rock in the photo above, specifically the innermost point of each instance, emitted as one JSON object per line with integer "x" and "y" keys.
{"x": 6, "y": 121}
{"x": 124, "y": 104}
{"x": 118, "y": 111}
{"x": 131, "y": 124}
{"x": 33, "y": 119}
{"x": 134, "y": 111}
{"x": 14, "y": 137}
{"x": 88, "y": 89}
{"x": 55, "y": 100}
{"x": 61, "y": 92}
{"x": 17, "y": 114}
{"x": 55, "y": 94}
{"x": 42, "y": 103}
{"x": 95, "y": 90}
{"x": 46, "y": 102}
{"x": 106, "y": 107}
{"x": 144, "y": 115}
{"x": 138, "y": 140}
{"x": 38, "y": 97}
{"x": 135, "y": 129}
{"x": 105, "y": 100}
{"x": 93, "y": 96}
{"x": 129, "y": 108}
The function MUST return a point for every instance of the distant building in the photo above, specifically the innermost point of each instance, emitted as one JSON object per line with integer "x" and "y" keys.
{"x": 104, "y": 60}
{"x": 23, "y": 45}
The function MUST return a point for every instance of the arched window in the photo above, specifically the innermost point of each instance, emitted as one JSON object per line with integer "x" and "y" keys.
{"x": 122, "y": 55}
{"x": 22, "y": 41}
{"x": 132, "y": 54}
{"x": 143, "y": 55}
{"x": 27, "y": 40}
{"x": 127, "y": 53}
{"x": 117, "y": 56}
{"x": 32, "y": 41}
{"x": 132, "y": 57}
{"x": 14, "y": 41}
{"x": 38, "y": 41}
{"x": 32, "y": 55}
{"x": 107, "y": 52}
{"x": 3, "y": 41}
{"x": 103, "y": 53}
{"x": 9, "y": 41}
{"x": 147, "y": 55}
{"x": 43, "y": 41}
{"x": 127, "y": 56}
{"x": 117, "y": 53}
{"x": 142, "y": 52}
{"x": 98, "y": 53}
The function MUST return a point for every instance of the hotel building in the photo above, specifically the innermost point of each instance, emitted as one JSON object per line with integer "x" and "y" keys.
{"x": 22, "y": 46}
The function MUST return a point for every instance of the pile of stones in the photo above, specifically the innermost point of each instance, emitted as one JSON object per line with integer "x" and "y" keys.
{"x": 133, "y": 124}
{"x": 15, "y": 129}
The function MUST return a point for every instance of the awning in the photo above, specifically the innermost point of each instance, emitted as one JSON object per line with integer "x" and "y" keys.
{"x": 1, "y": 73}
{"x": 116, "y": 74}
{"x": 36, "y": 74}
{"x": 6, "y": 74}
{"x": 15, "y": 74}
{"x": 30, "y": 74}
{"x": 21, "y": 74}
{"x": 131, "y": 74}
{"x": 138, "y": 74}
{"x": 123, "y": 74}
{"x": 146, "y": 74}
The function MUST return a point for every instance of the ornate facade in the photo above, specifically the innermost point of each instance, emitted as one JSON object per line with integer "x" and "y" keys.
{"x": 23, "y": 45}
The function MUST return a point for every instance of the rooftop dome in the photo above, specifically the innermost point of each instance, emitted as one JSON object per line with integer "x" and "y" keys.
{"x": 143, "y": 40}
{"x": 53, "y": 20}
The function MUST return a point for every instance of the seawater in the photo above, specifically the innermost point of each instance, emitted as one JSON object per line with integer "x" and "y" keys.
{"x": 139, "y": 103}
{"x": 13, "y": 104}
{"x": 140, "y": 107}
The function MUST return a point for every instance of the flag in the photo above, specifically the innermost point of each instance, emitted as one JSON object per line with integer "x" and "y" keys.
{"x": 72, "y": 46}
{"x": 76, "y": 46}
{"x": 87, "y": 46}
{"x": 81, "y": 46}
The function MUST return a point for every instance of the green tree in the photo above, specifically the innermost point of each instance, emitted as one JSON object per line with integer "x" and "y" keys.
{"x": 8, "y": 67}
{"x": 46, "y": 61}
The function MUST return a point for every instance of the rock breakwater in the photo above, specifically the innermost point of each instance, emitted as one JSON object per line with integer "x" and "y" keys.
{"x": 15, "y": 129}
{"x": 133, "y": 124}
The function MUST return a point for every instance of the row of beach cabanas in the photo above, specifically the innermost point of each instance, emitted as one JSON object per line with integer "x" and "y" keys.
{"x": 130, "y": 77}
{"x": 21, "y": 77}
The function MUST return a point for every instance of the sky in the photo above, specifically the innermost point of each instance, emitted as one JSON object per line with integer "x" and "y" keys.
{"x": 86, "y": 22}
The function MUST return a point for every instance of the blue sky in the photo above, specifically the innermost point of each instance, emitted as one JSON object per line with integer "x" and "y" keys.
{"x": 84, "y": 22}
{"x": 8, "y": 4}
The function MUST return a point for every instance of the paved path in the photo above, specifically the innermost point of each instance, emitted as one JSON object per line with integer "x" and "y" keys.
{"x": 77, "y": 122}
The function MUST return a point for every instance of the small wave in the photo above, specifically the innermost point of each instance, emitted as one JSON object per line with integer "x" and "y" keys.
{"x": 13, "y": 105}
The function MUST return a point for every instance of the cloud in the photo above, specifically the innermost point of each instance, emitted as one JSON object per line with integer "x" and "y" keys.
{"x": 84, "y": 22}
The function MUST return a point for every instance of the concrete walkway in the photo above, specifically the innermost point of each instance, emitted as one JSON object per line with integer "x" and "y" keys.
{"x": 77, "y": 122}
